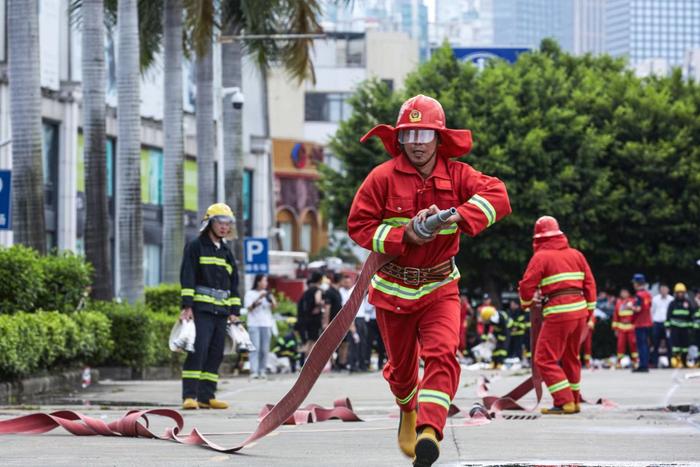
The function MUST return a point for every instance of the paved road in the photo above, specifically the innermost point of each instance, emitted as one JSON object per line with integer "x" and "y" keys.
{"x": 636, "y": 432}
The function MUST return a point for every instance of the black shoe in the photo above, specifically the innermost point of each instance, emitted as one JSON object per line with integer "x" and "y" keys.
{"x": 427, "y": 449}
{"x": 640, "y": 370}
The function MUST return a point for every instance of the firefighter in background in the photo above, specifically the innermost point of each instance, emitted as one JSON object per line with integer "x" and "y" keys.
{"x": 560, "y": 276}
{"x": 624, "y": 328}
{"x": 520, "y": 320}
{"x": 416, "y": 294}
{"x": 642, "y": 321}
{"x": 679, "y": 320}
{"x": 209, "y": 281}
{"x": 497, "y": 325}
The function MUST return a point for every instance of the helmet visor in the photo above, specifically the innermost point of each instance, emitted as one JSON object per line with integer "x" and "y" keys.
{"x": 228, "y": 220}
{"x": 416, "y": 136}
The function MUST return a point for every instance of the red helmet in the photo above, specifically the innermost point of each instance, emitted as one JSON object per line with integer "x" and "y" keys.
{"x": 423, "y": 112}
{"x": 547, "y": 226}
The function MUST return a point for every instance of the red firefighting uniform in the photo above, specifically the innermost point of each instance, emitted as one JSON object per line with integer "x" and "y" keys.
{"x": 556, "y": 266}
{"x": 624, "y": 327}
{"x": 422, "y": 318}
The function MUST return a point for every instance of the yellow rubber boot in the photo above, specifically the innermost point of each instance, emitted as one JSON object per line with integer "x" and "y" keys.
{"x": 189, "y": 404}
{"x": 407, "y": 432}
{"x": 566, "y": 409}
{"x": 427, "y": 448}
{"x": 213, "y": 404}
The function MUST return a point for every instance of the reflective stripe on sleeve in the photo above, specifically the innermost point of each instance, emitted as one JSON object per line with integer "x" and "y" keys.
{"x": 486, "y": 207}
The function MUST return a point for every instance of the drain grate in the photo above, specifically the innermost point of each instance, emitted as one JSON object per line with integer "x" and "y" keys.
{"x": 520, "y": 417}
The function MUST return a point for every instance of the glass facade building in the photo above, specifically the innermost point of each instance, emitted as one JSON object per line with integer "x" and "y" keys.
{"x": 651, "y": 29}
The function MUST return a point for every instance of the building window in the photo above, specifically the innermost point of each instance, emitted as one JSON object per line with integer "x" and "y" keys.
{"x": 151, "y": 264}
{"x": 326, "y": 107}
{"x": 286, "y": 234}
{"x": 151, "y": 176}
{"x": 49, "y": 157}
{"x": 305, "y": 239}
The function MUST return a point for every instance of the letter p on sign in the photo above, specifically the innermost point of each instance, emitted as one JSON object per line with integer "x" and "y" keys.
{"x": 256, "y": 255}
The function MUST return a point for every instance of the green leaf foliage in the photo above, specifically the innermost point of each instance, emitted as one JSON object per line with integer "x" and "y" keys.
{"x": 615, "y": 158}
{"x": 21, "y": 279}
{"x": 163, "y": 297}
{"x": 67, "y": 279}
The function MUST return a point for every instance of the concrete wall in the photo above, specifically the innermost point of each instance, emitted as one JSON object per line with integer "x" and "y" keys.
{"x": 391, "y": 55}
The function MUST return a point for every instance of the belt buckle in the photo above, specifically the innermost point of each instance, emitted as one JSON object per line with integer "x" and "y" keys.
{"x": 411, "y": 276}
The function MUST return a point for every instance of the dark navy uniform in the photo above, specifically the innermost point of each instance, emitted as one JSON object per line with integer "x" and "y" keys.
{"x": 209, "y": 281}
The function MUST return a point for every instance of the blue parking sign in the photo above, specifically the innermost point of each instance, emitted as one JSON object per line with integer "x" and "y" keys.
{"x": 257, "y": 258}
{"x": 5, "y": 199}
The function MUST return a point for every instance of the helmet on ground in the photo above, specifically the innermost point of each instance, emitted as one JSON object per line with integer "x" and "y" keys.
{"x": 219, "y": 212}
{"x": 546, "y": 226}
{"x": 679, "y": 288}
{"x": 639, "y": 278}
{"x": 420, "y": 119}
{"x": 487, "y": 313}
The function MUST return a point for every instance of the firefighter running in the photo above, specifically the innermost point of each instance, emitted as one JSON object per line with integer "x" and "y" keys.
{"x": 416, "y": 295}
{"x": 209, "y": 281}
{"x": 560, "y": 276}
{"x": 497, "y": 325}
{"x": 680, "y": 321}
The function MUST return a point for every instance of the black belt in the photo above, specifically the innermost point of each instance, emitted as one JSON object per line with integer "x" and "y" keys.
{"x": 210, "y": 292}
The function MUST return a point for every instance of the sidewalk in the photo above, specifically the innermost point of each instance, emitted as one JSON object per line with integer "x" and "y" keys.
{"x": 637, "y": 432}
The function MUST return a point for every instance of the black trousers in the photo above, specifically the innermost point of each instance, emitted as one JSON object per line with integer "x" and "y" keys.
{"x": 515, "y": 346}
{"x": 375, "y": 341}
{"x": 200, "y": 373}
{"x": 359, "y": 355}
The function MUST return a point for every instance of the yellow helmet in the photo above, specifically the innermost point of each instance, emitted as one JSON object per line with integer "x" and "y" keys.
{"x": 679, "y": 288}
{"x": 220, "y": 211}
{"x": 486, "y": 313}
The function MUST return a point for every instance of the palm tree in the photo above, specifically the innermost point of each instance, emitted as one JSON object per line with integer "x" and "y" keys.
{"x": 97, "y": 247}
{"x": 200, "y": 22}
{"x": 272, "y": 17}
{"x": 173, "y": 150}
{"x": 129, "y": 213}
{"x": 29, "y": 226}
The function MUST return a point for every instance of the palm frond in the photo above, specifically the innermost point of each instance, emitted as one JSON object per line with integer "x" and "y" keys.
{"x": 200, "y": 23}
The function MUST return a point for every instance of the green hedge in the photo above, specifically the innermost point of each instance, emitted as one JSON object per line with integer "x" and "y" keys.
{"x": 67, "y": 279}
{"x": 21, "y": 279}
{"x": 29, "y": 282}
{"x": 163, "y": 296}
{"x": 43, "y": 340}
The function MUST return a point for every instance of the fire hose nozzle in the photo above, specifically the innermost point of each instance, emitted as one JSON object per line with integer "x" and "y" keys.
{"x": 427, "y": 228}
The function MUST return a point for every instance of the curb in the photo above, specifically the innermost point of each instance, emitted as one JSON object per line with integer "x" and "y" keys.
{"x": 120, "y": 373}
{"x": 16, "y": 391}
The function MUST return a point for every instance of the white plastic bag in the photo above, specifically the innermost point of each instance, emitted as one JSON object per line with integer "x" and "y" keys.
{"x": 240, "y": 337}
{"x": 182, "y": 336}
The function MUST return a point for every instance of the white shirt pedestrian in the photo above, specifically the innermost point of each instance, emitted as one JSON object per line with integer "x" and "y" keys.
{"x": 659, "y": 307}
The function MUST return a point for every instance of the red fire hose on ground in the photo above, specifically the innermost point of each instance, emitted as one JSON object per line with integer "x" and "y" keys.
{"x": 135, "y": 423}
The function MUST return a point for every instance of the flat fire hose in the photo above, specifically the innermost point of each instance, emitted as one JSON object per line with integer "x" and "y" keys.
{"x": 509, "y": 401}
{"x": 273, "y": 417}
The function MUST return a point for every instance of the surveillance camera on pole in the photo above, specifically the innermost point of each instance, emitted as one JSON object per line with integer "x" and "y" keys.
{"x": 237, "y": 97}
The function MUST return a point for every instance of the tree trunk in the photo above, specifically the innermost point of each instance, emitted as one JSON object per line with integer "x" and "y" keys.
{"x": 28, "y": 224}
{"x": 97, "y": 246}
{"x": 206, "y": 182}
{"x": 173, "y": 151}
{"x": 130, "y": 222}
{"x": 231, "y": 64}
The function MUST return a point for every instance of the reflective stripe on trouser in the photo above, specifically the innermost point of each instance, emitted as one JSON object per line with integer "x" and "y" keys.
{"x": 438, "y": 325}
{"x": 627, "y": 339}
{"x": 200, "y": 372}
{"x": 556, "y": 356}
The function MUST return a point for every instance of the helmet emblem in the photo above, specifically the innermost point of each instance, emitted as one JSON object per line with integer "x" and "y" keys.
{"x": 415, "y": 116}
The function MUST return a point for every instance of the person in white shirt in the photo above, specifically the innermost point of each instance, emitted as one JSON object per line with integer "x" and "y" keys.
{"x": 659, "y": 308}
{"x": 259, "y": 302}
{"x": 345, "y": 288}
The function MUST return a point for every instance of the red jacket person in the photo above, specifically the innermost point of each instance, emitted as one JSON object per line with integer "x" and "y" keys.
{"x": 564, "y": 281}
{"x": 416, "y": 295}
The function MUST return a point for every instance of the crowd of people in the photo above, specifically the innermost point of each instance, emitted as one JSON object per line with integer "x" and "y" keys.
{"x": 670, "y": 331}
